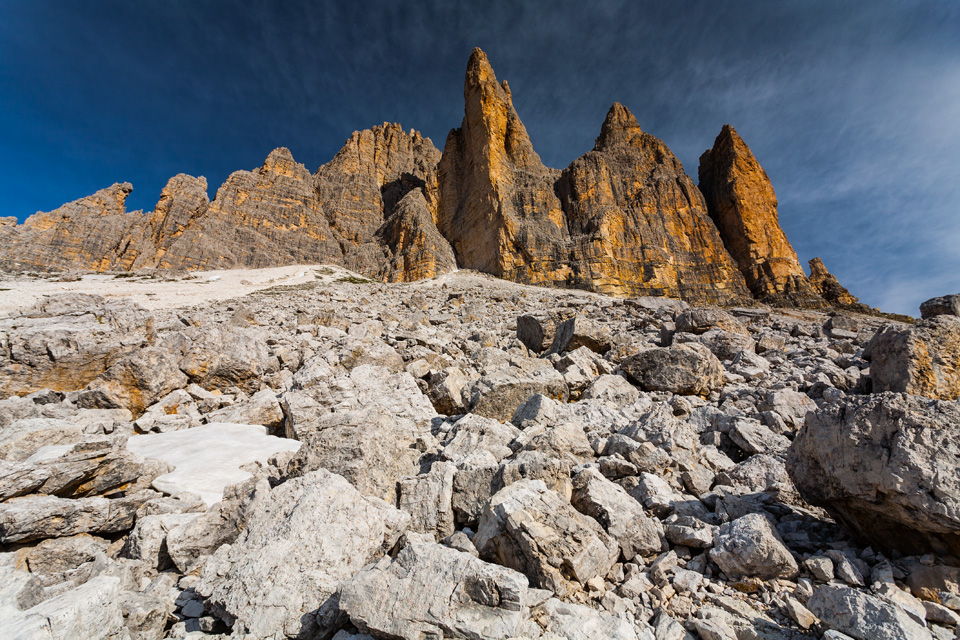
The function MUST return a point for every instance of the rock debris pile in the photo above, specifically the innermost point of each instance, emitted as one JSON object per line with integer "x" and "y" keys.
{"x": 465, "y": 457}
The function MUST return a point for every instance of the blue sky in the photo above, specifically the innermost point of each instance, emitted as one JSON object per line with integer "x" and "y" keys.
{"x": 853, "y": 108}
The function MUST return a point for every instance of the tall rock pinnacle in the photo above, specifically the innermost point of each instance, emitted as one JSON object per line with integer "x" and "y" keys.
{"x": 497, "y": 204}
{"x": 743, "y": 205}
{"x": 637, "y": 223}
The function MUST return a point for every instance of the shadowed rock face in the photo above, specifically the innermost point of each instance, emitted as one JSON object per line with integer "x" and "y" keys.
{"x": 638, "y": 225}
{"x": 623, "y": 219}
{"x": 743, "y": 205}
{"x": 361, "y": 190}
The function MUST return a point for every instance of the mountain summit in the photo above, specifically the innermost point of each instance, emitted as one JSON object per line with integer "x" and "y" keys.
{"x": 623, "y": 219}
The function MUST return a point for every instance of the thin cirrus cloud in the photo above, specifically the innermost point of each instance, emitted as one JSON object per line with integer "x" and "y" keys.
{"x": 852, "y": 108}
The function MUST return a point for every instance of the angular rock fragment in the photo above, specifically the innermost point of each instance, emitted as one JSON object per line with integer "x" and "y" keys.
{"x": 141, "y": 378}
{"x": 429, "y": 590}
{"x": 532, "y": 529}
{"x": 863, "y": 616}
{"x": 38, "y": 517}
{"x": 751, "y": 547}
{"x": 940, "y": 306}
{"x": 618, "y": 512}
{"x": 922, "y": 360}
{"x": 318, "y": 521}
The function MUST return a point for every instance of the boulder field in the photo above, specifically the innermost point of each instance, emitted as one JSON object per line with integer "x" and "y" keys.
{"x": 469, "y": 457}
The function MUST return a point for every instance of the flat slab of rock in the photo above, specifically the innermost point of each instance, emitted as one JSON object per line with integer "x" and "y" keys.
{"x": 886, "y": 466}
{"x": 430, "y": 590}
{"x": 37, "y": 517}
{"x": 208, "y": 458}
{"x": 308, "y": 535}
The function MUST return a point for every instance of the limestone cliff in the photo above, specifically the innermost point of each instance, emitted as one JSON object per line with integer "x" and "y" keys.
{"x": 830, "y": 290}
{"x": 361, "y": 188}
{"x": 83, "y": 234}
{"x": 262, "y": 218}
{"x": 497, "y": 204}
{"x": 182, "y": 201}
{"x": 742, "y": 203}
{"x": 623, "y": 219}
{"x": 637, "y": 223}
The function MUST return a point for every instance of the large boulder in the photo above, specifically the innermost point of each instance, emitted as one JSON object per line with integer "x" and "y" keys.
{"x": 532, "y": 529}
{"x": 141, "y": 378}
{"x": 941, "y": 306}
{"x": 64, "y": 342}
{"x": 751, "y": 547}
{"x": 886, "y": 466}
{"x": 429, "y": 590}
{"x": 318, "y": 521}
{"x": 687, "y": 369}
{"x": 923, "y": 360}
{"x": 863, "y": 616}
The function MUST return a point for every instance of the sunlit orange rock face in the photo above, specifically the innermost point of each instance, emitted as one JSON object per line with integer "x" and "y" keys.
{"x": 637, "y": 223}
{"x": 743, "y": 205}
{"x": 497, "y": 204}
{"x": 624, "y": 219}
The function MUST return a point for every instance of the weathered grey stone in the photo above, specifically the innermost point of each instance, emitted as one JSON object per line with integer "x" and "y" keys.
{"x": 532, "y": 529}
{"x": 429, "y": 590}
{"x": 886, "y": 466}
{"x": 39, "y": 517}
{"x": 923, "y": 359}
{"x": 577, "y": 332}
{"x": 473, "y": 433}
{"x": 863, "y": 616}
{"x": 65, "y": 341}
{"x": 428, "y": 498}
{"x": 613, "y": 389}
{"x": 261, "y": 408}
{"x": 940, "y": 306}
{"x": 141, "y": 378}
{"x": 566, "y": 621}
{"x": 618, "y": 512}
{"x": 688, "y": 369}
{"x": 91, "y": 610}
{"x": 318, "y": 520}
{"x": 498, "y": 393}
{"x": 750, "y": 546}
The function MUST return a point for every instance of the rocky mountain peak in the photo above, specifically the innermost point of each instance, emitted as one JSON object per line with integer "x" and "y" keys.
{"x": 280, "y": 162}
{"x": 619, "y": 128}
{"x": 623, "y": 219}
{"x": 743, "y": 205}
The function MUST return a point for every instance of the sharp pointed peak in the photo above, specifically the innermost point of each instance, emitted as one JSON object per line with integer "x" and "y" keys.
{"x": 620, "y": 126}
{"x": 479, "y": 69}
